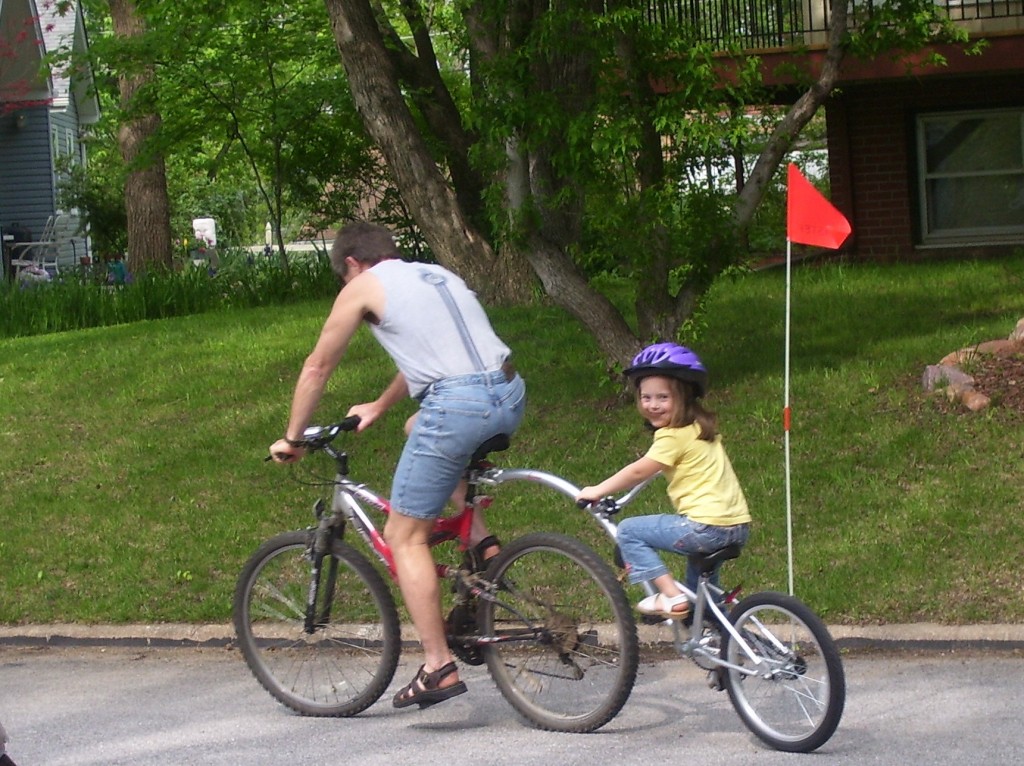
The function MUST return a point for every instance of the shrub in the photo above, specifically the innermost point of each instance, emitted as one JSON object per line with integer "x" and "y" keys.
{"x": 87, "y": 297}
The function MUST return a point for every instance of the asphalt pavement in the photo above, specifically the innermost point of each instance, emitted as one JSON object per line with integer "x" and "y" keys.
{"x": 104, "y": 704}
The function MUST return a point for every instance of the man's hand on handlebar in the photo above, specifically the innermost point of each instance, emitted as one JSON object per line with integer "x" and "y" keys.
{"x": 314, "y": 438}
{"x": 283, "y": 451}
{"x": 367, "y": 413}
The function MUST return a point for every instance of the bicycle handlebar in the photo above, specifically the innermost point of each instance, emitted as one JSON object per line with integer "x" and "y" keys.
{"x": 604, "y": 505}
{"x": 317, "y": 437}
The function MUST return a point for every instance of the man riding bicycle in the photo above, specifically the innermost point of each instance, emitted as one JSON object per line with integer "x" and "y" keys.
{"x": 450, "y": 360}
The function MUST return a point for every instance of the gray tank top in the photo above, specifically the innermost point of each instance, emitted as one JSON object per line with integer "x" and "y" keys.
{"x": 433, "y": 325}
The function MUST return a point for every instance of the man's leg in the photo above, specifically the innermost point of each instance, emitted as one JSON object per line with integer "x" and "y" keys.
{"x": 478, "y": 531}
{"x": 417, "y": 579}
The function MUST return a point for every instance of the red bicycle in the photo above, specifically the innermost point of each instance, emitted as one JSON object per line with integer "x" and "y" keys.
{"x": 318, "y": 626}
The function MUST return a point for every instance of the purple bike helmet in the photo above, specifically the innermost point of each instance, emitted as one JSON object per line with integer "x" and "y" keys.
{"x": 671, "y": 360}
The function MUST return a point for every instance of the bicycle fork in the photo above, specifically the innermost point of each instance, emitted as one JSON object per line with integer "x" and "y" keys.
{"x": 320, "y": 549}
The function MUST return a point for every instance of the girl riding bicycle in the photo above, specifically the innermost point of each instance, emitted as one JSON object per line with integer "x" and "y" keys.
{"x": 710, "y": 508}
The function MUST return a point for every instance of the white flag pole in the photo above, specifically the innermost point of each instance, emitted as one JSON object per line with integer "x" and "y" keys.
{"x": 786, "y": 417}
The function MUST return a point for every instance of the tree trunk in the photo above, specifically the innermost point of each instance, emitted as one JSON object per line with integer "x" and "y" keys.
{"x": 452, "y": 237}
{"x": 145, "y": 191}
{"x": 796, "y": 118}
{"x": 548, "y": 206}
{"x": 569, "y": 289}
{"x": 656, "y": 311}
{"x": 541, "y": 203}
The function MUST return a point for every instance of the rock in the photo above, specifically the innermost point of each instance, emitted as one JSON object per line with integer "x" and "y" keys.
{"x": 957, "y": 385}
{"x": 1018, "y": 333}
{"x": 1002, "y": 347}
{"x": 940, "y": 375}
{"x": 975, "y": 401}
{"x": 958, "y": 357}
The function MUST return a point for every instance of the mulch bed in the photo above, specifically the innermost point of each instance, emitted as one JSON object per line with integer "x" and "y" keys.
{"x": 1001, "y": 378}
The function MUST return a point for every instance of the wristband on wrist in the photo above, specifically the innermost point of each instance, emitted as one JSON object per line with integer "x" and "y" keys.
{"x": 295, "y": 442}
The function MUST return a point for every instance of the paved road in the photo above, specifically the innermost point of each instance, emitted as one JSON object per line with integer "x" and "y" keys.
{"x": 108, "y": 706}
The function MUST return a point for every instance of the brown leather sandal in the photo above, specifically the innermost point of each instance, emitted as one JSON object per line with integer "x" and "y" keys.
{"x": 425, "y": 690}
{"x": 478, "y": 562}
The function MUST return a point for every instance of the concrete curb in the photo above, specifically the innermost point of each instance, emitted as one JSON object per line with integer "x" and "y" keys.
{"x": 921, "y": 636}
{"x": 157, "y": 635}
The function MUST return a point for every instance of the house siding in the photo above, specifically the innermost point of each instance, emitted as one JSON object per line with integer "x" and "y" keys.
{"x": 872, "y": 156}
{"x": 66, "y": 149}
{"x": 27, "y": 195}
{"x": 28, "y": 152}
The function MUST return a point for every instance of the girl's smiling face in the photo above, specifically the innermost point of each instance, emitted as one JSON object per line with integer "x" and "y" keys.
{"x": 657, "y": 400}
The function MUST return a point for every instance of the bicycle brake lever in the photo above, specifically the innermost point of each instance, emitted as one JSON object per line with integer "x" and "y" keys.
{"x": 606, "y": 505}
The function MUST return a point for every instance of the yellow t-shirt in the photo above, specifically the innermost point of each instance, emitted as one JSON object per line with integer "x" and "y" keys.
{"x": 701, "y": 482}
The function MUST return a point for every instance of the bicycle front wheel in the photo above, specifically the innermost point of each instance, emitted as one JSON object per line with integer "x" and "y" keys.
{"x": 559, "y": 640}
{"x": 340, "y": 660}
{"x": 794, "y": 695}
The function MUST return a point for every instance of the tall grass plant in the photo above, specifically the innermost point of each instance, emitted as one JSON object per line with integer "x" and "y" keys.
{"x": 88, "y": 297}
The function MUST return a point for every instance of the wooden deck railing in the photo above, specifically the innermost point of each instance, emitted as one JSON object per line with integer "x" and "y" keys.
{"x": 789, "y": 23}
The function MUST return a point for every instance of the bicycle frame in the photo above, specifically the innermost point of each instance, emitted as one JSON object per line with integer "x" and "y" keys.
{"x": 347, "y": 505}
{"x": 688, "y": 642}
{"x": 348, "y": 496}
{"x": 770, "y": 652}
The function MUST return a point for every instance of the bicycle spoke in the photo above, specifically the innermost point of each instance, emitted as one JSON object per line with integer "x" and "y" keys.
{"x": 338, "y": 668}
{"x": 572, "y": 676}
{"x": 794, "y": 697}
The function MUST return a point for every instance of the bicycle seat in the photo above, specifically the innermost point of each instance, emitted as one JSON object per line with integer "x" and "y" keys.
{"x": 709, "y": 562}
{"x": 497, "y": 443}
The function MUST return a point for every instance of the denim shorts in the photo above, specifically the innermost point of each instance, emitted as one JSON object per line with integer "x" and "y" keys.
{"x": 456, "y": 416}
{"x": 641, "y": 537}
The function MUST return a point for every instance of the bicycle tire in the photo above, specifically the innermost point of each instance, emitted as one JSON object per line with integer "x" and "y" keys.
{"x": 580, "y": 672}
{"x": 341, "y": 668}
{"x": 795, "y": 702}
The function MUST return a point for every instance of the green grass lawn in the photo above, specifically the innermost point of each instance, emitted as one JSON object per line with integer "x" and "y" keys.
{"x": 135, "y": 487}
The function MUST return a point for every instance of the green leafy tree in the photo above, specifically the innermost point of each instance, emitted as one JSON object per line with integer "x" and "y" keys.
{"x": 584, "y": 126}
{"x": 256, "y": 86}
{"x": 97, "y": 190}
{"x": 256, "y": 121}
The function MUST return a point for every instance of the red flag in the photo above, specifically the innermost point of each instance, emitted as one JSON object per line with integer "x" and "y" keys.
{"x": 810, "y": 218}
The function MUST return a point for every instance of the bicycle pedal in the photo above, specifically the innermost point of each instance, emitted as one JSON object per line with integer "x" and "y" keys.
{"x": 716, "y": 680}
{"x": 652, "y": 619}
{"x": 588, "y": 638}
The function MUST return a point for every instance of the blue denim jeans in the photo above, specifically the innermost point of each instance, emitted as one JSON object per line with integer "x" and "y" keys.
{"x": 641, "y": 537}
{"x": 456, "y": 416}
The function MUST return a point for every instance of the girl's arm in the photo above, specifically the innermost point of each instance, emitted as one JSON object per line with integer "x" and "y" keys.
{"x": 627, "y": 478}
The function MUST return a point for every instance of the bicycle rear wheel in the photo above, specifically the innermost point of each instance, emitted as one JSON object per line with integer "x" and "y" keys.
{"x": 560, "y": 641}
{"x": 345, "y": 662}
{"x": 795, "y": 699}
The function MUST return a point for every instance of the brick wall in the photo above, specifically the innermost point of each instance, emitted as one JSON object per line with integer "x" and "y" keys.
{"x": 872, "y": 153}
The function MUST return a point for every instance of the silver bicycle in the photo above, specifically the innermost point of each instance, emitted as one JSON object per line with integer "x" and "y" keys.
{"x": 770, "y": 652}
{"x": 318, "y": 626}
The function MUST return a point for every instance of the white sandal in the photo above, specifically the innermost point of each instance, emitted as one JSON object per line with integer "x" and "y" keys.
{"x": 661, "y": 605}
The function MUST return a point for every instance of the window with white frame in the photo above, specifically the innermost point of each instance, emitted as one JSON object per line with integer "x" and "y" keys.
{"x": 971, "y": 176}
